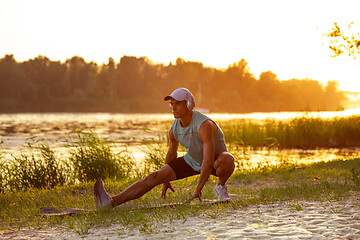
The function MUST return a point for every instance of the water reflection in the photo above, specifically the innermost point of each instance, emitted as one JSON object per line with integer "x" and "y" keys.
{"x": 287, "y": 115}
{"x": 258, "y": 158}
{"x": 18, "y": 118}
{"x": 249, "y": 158}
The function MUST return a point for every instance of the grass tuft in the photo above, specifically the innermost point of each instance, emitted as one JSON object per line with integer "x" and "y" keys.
{"x": 38, "y": 168}
{"x": 92, "y": 159}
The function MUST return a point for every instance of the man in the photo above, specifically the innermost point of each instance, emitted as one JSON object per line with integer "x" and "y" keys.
{"x": 206, "y": 155}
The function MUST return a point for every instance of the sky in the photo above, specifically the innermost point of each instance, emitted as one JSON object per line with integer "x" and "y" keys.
{"x": 285, "y": 37}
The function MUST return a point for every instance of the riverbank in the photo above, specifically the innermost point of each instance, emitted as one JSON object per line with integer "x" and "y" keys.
{"x": 305, "y": 198}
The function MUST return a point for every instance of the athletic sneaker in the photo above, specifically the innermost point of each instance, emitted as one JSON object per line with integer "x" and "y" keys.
{"x": 221, "y": 192}
{"x": 102, "y": 198}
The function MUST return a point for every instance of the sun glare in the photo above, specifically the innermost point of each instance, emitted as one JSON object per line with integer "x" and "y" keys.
{"x": 269, "y": 38}
{"x": 286, "y": 115}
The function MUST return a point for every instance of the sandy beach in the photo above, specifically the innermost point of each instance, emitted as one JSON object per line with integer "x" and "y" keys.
{"x": 292, "y": 220}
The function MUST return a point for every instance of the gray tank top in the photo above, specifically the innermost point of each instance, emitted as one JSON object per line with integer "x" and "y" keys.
{"x": 189, "y": 138}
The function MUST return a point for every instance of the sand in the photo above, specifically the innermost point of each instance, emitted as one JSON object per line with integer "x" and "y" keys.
{"x": 293, "y": 220}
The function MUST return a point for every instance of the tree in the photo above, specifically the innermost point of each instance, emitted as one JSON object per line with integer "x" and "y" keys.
{"x": 56, "y": 74}
{"x": 130, "y": 76}
{"x": 185, "y": 74}
{"x": 135, "y": 84}
{"x": 106, "y": 80}
{"x": 268, "y": 86}
{"x": 79, "y": 76}
{"x": 37, "y": 81}
{"x": 238, "y": 84}
{"x": 11, "y": 78}
{"x": 344, "y": 41}
{"x": 332, "y": 96}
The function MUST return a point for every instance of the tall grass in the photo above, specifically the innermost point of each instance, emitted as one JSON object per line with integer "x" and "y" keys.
{"x": 39, "y": 168}
{"x": 92, "y": 158}
{"x": 2, "y": 169}
{"x": 301, "y": 132}
{"x": 155, "y": 156}
{"x": 3, "y": 177}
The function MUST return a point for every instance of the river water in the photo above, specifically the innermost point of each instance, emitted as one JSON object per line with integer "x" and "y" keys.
{"x": 130, "y": 130}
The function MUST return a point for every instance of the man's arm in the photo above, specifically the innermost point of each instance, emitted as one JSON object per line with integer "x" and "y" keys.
{"x": 207, "y": 131}
{"x": 173, "y": 147}
{"x": 171, "y": 154}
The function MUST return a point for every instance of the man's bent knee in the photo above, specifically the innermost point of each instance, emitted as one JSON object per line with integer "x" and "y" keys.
{"x": 226, "y": 159}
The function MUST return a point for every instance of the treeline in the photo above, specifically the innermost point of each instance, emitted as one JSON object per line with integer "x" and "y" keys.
{"x": 138, "y": 85}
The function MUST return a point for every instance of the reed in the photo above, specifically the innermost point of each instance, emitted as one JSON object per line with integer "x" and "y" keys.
{"x": 301, "y": 132}
{"x": 155, "y": 156}
{"x": 3, "y": 168}
{"x": 3, "y": 176}
{"x": 39, "y": 168}
{"x": 92, "y": 158}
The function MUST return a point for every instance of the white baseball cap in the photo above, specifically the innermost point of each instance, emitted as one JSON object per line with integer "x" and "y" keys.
{"x": 182, "y": 94}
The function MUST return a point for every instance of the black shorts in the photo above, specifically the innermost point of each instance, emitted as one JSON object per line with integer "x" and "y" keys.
{"x": 183, "y": 170}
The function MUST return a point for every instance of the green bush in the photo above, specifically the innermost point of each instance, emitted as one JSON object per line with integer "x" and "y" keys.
{"x": 93, "y": 159}
{"x": 41, "y": 170}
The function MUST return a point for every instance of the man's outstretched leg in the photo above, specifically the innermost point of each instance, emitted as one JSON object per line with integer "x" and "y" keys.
{"x": 224, "y": 166}
{"x": 138, "y": 189}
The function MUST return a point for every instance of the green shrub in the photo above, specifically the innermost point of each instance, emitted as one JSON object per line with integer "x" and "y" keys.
{"x": 36, "y": 170}
{"x": 93, "y": 159}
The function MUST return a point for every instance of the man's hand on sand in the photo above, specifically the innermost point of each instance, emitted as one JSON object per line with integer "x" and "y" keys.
{"x": 166, "y": 186}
